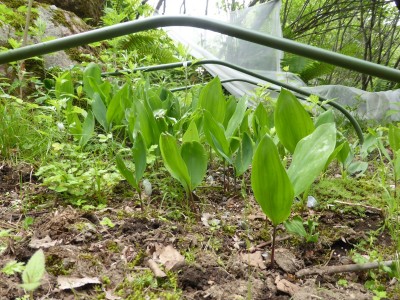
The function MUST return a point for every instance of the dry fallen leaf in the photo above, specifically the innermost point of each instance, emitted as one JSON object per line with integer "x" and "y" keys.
{"x": 44, "y": 243}
{"x": 169, "y": 257}
{"x": 67, "y": 283}
{"x": 253, "y": 259}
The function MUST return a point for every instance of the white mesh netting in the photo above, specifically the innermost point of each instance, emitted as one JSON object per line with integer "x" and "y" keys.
{"x": 204, "y": 44}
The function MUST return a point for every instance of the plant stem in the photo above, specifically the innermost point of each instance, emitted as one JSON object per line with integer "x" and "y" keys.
{"x": 224, "y": 176}
{"x": 21, "y": 68}
{"x": 273, "y": 246}
{"x": 141, "y": 201}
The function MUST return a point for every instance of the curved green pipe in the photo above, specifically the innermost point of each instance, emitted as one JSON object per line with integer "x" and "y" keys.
{"x": 340, "y": 108}
{"x": 204, "y": 23}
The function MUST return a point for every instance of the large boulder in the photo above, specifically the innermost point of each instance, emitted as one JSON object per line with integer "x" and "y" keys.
{"x": 91, "y": 10}
{"x": 51, "y": 23}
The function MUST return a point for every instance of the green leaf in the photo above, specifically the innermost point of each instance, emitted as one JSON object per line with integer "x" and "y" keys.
{"x": 115, "y": 110}
{"x": 244, "y": 155}
{"x": 34, "y": 271}
{"x": 295, "y": 226}
{"x": 260, "y": 121}
{"x": 292, "y": 121}
{"x": 173, "y": 161}
{"x": 191, "y": 133}
{"x": 325, "y": 117}
{"x": 13, "y": 267}
{"x": 64, "y": 87}
{"x": 139, "y": 152}
{"x": 310, "y": 157}
{"x": 271, "y": 185}
{"x": 212, "y": 99}
{"x": 396, "y": 163}
{"x": 100, "y": 111}
{"x": 196, "y": 160}
{"x": 147, "y": 124}
{"x": 126, "y": 173}
{"x": 91, "y": 76}
{"x": 344, "y": 153}
{"x": 334, "y": 154}
{"x": 236, "y": 118}
{"x": 215, "y": 135}
{"x": 87, "y": 129}
{"x": 394, "y": 137}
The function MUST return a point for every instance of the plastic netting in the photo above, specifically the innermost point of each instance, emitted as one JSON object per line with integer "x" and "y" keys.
{"x": 204, "y": 44}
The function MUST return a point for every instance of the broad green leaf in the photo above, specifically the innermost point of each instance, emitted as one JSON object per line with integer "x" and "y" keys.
{"x": 154, "y": 100}
{"x": 191, "y": 133}
{"x": 394, "y": 137}
{"x": 126, "y": 173}
{"x": 196, "y": 160}
{"x": 173, "y": 161}
{"x": 215, "y": 135}
{"x": 357, "y": 166}
{"x": 115, "y": 110}
{"x": 244, "y": 155}
{"x": 334, "y": 154}
{"x": 100, "y": 111}
{"x": 230, "y": 105}
{"x": 34, "y": 271}
{"x": 292, "y": 121}
{"x": 87, "y": 129}
{"x": 396, "y": 163}
{"x": 91, "y": 77}
{"x": 237, "y": 118}
{"x": 270, "y": 183}
{"x": 310, "y": 157}
{"x": 64, "y": 87}
{"x": 344, "y": 153}
{"x": 145, "y": 123}
{"x": 296, "y": 226}
{"x": 139, "y": 152}
{"x": 260, "y": 121}
{"x": 325, "y": 117}
{"x": 212, "y": 99}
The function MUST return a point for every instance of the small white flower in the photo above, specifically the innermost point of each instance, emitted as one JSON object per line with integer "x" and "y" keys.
{"x": 200, "y": 71}
{"x": 60, "y": 126}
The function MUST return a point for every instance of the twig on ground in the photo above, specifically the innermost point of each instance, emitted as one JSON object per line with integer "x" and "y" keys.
{"x": 358, "y": 204}
{"x": 342, "y": 269}
{"x": 264, "y": 244}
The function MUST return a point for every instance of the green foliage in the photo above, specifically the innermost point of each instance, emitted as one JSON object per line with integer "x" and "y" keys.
{"x": 13, "y": 267}
{"x": 310, "y": 156}
{"x": 244, "y": 156}
{"x": 306, "y": 68}
{"x": 27, "y": 130}
{"x": 188, "y": 164}
{"x": 34, "y": 271}
{"x": 292, "y": 121}
{"x": 296, "y": 226}
{"x": 270, "y": 183}
{"x": 139, "y": 154}
{"x": 212, "y": 99}
{"x": 80, "y": 176}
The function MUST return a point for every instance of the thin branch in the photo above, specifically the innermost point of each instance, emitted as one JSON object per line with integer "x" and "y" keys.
{"x": 343, "y": 269}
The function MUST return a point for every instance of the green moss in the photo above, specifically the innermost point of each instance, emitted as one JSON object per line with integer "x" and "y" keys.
{"x": 59, "y": 18}
{"x": 355, "y": 190}
{"x": 14, "y": 3}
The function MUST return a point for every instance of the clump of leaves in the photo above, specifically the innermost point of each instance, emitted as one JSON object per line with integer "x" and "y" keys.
{"x": 296, "y": 226}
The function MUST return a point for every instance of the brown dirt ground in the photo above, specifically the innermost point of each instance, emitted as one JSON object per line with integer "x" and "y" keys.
{"x": 79, "y": 246}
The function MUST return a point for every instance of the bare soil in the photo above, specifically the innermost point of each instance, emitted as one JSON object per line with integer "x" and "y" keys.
{"x": 215, "y": 241}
